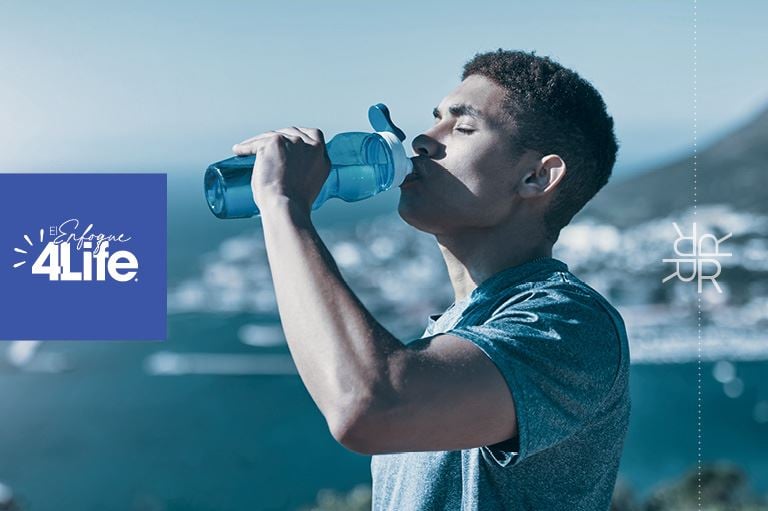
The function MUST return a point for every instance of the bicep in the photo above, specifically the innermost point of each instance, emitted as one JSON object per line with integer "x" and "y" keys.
{"x": 446, "y": 394}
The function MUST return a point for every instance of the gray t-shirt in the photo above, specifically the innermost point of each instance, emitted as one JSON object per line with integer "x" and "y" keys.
{"x": 562, "y": 349}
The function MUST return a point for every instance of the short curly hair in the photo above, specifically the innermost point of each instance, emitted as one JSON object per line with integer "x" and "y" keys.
{"x": 554, "y": 111}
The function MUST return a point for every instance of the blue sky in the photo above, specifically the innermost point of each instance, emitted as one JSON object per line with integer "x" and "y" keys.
{"x": 170, "y": 86}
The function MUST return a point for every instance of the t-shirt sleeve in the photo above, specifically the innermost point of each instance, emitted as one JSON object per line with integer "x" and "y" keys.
{"x": 559, "y": 352}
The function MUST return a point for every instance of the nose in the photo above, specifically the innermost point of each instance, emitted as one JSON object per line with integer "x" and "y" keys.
{"x": 424, "y": 145}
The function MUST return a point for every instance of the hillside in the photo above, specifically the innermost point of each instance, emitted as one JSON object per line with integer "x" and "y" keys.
{"x": 731, "y": 171}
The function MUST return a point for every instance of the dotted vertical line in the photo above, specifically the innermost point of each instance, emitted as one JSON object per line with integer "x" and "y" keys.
{"x": 698, "y": 303}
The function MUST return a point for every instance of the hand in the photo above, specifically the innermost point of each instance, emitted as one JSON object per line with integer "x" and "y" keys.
{"x": 290, "y": 162}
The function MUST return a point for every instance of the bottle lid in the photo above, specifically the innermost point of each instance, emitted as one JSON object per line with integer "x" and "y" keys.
{"x": 402, "y": 164}
{"x": 378, "y": 116}
{"x": 381, "y": 121}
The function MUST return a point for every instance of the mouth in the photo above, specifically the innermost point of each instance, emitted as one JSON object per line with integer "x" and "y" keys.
{"x": 415, "y": 174}
{"x": 410, "y": 178}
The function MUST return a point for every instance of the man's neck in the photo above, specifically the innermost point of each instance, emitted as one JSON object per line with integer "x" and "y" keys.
{"x": 473, "y": 257}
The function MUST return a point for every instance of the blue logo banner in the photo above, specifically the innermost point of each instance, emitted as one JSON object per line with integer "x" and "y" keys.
{"x": 83, "y": 256}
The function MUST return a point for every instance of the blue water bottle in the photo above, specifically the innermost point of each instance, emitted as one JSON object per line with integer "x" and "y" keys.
{"x": 362, "y": 165}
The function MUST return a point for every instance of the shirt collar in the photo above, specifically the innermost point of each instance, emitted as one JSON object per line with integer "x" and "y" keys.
{"x": 515, "y": 275}
{"x": 504, "y": 279}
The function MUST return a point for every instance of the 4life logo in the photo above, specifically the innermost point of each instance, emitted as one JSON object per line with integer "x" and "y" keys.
{"x": 83, "y": 256}
{"x": 56, "y": 258}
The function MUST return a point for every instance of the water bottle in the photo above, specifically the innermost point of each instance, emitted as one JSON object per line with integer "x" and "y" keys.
{"x": 362, "y": 165}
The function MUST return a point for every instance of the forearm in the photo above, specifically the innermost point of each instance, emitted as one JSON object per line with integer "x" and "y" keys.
{"x": 341, "y": 352}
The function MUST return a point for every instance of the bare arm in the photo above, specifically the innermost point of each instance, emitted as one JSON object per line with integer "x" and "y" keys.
{"x": 447, "y": 395}
{"x": 376, "y": 394}
{"x": 438, "y": 393}
{"x": 341, "y": 352}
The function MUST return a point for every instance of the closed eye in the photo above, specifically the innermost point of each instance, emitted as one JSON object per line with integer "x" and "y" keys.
{"x": 464, "y": 130}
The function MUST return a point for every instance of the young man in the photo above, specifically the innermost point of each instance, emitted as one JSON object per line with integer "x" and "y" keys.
{"x": 517, "y": 396}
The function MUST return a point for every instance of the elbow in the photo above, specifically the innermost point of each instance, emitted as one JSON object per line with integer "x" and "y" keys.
{"x": 365, "y": 424}
{"x": 351, "y": 435}
{"x": 359, "y": 428}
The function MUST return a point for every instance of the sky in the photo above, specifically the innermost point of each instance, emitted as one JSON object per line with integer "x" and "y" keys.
{"x": 170, "y": 86}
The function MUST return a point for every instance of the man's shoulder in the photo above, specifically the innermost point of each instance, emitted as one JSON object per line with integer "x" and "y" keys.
{"x": 560, "y": 301}
{"x": 556, "y": 288}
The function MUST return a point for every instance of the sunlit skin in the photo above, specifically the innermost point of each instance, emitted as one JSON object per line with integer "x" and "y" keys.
{"x": 485, "y": 210}
{"x": 377, "y": 393}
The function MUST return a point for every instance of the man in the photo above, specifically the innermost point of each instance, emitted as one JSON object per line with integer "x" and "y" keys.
{"x": 517, "y": 396}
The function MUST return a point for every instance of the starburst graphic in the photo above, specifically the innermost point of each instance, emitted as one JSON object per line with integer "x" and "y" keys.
{"x": 21, "y": 251}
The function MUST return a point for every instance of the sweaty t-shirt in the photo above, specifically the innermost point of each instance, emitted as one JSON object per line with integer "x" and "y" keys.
{"x": 562, "y": 349}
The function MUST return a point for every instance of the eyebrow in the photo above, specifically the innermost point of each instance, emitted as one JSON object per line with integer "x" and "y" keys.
{"x": 460, "y": 109}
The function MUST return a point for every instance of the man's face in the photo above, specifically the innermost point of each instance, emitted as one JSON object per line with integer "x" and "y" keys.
{"x": 467, "y": 174}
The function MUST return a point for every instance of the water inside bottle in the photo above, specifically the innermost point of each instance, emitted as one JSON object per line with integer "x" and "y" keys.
{"x": 360, "y": 180}
{"x": 357, "y": 181}
{"x": 228, "y": 187}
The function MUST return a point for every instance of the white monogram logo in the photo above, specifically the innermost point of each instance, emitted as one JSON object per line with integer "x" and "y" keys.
{"x": 703, "y": 251}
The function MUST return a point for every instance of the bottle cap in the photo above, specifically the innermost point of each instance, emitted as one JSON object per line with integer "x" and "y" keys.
{"x": 378, "y": 116}
{"x": 381, "y": 121}
{"x": 402, "y": 164}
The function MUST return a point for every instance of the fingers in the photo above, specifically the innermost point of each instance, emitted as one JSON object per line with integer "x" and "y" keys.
{"x": 314, "y": 134}
{"x": 310, "y": 136}
{"x": 296, "y": 132}
{"x": 253, "y": 144}
{"x": 247, "y": 147}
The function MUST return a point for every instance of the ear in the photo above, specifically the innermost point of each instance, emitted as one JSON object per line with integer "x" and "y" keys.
{"x": 549, "y": 171}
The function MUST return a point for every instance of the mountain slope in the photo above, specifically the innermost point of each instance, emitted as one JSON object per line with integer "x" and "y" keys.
{"x": 730, "y": 171}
